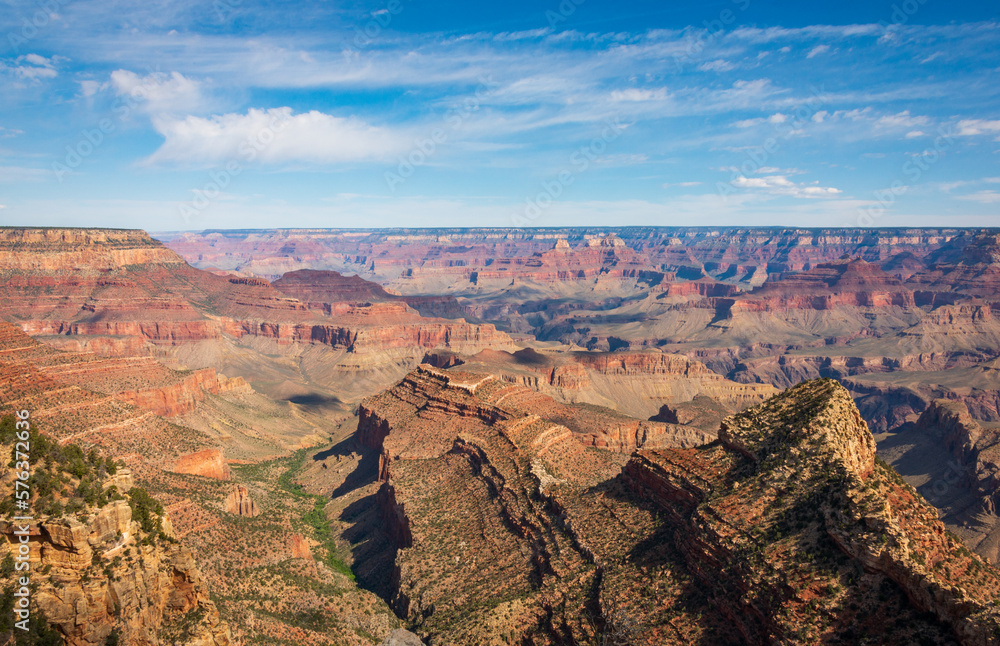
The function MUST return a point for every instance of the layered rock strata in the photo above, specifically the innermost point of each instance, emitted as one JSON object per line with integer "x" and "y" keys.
{"x": 785, "y": 529}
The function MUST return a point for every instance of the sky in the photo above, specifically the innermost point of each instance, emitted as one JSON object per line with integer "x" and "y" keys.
{"x": 191, "y": 115}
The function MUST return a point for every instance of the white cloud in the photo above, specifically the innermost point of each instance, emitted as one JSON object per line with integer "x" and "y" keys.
{"x": 159, "y": 93}
{"x": 32, "y": 67}
{"x": 971, "y": 127}
{"x": 681, "y": 184}
{"x": 781, "y": 185}
{"x": 769, "y": 34}
{"x": 35, "y": 59}
{"x": 530, "y": 34}
{"x": 817, "y": 50}
{"x": 774, "y": 119}
{"x": 902, "y": 120}
{"x": 635, "y": 94}
{"x": 275, "y": 136}
{"x": 89, "y": 88}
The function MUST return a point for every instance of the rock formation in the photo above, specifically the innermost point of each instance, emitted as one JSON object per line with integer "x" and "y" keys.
{"x": 209, "y": 463}
{"x": 786, "y": 529}
{"x": 240, "y": 503}
{"x": 101, "y": 571}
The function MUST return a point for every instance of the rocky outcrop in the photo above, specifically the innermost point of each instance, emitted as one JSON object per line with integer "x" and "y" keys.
{"x": 240, "y": 503}
{"x": 298, "y": 547}
{"x": 764, "y": 535}
{"x": 824, "y": 409}
{"x": 447, "y": 398}
{"x": 98, "y": 572}
{"x": 812, "y": 439}
{"x": 327, "y": 287}
{"x": 183, "y": 397}
{"x": 209, "y": 463}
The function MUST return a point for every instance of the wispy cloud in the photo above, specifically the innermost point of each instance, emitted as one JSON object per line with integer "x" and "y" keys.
{"x": 17, "y": 174}
{"x": 817, "y": 50}
{"x": 158, "y": 93}
{"x": 718, "y": 65}
{"x": 982, "y": 197}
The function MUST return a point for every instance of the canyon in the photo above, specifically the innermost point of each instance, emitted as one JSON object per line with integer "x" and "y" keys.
{"x": 533, "y": 436}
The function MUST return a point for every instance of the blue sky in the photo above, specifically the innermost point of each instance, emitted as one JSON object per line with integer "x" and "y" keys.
{"x": 240, "y": 113}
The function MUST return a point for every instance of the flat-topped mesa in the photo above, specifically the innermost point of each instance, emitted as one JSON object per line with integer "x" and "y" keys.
{"x": 314, "y": 286}
{"x": 69, "y": 250}
{"x": 819, "y": 414}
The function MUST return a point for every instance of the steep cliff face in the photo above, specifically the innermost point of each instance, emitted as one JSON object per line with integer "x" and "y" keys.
{"x": 113, "y": 566}
{"x": 66, "y": 250}
{"x": 810, "y": 447}
{"x": 449, "y": 400}
{"x": 210, "y": 463}
{"x": 634, "y": 383}
{"x": 138, "y": 380}
{"x": 964, "y": 478}
{"x": 183, "y": 396}
{"x": 100, "y": 578}
{"x": 787, "y": 529}
{"x": 122, "y": 289}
